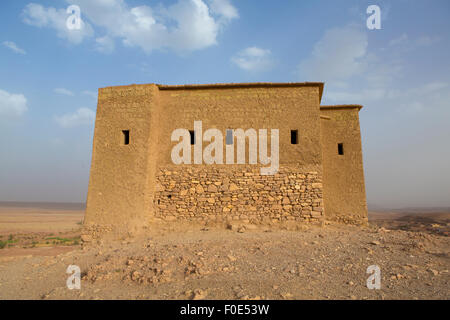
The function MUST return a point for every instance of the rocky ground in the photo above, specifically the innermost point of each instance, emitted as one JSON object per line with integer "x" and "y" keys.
{"x": 194, "y": 262}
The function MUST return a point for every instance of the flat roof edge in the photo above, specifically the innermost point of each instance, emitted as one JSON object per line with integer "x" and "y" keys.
{"x": 342, "y": 106}
{"x": 229, "y": 85}
{"x": 244, "y": 85}
{"x": 240, "y": 85}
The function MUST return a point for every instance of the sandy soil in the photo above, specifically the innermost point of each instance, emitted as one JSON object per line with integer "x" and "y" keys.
{"x": 39, "y": 228}
{"x": 412, "y": 220}
{"x": 35, "y": 217}
{"x": 193, "y": 262}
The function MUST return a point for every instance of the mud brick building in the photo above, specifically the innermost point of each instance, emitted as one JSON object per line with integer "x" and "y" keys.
{"x": 134, "y": 180}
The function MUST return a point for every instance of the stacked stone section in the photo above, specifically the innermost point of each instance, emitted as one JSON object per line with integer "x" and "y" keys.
{"x": 223, "y": 194}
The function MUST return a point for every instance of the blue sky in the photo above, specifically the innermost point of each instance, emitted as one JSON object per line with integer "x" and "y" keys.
{"x": 49, "y": 76}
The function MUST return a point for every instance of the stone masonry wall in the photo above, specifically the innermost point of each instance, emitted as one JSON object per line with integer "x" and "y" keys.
{"x": 132, "y": 183}
{"x": 223, "y": 194}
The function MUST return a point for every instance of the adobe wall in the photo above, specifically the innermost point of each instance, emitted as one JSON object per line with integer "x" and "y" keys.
{"x": 120, "y": 174}
{"x": 282, "y": 108}
{"x": 343, "y": 175}
{"x": 130, "y": 185}
{"x": 240, "y": 192}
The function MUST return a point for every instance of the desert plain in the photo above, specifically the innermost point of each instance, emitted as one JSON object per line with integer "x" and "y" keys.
{"x": 38, "y": 241}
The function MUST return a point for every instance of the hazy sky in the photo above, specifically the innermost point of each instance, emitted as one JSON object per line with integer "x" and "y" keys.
{"x": 49, "y": 77}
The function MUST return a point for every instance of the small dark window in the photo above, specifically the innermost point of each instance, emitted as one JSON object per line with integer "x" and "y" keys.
{"x": 341, "y": 149}
{"x": 192, "y": 133}
{"x": 229, "y": 137}
{"x": 294, "y": 136}
{"x": 126, "y": 137}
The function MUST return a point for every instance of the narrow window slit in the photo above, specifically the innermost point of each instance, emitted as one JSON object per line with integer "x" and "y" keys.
{"x": 294, "y": 136}
{"x": 126, "y": 137}
{"x": 340, "y": 149}
{"x": 192, "y": 133}
{"x": 229, "y": 137}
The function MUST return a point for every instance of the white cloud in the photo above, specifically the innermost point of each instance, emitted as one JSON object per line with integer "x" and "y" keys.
{"x": 64, "y": 91}
{"x": 431, "y": 96}
{"x": 433, "y": 87}
{"x": 39, "y": 16}
{"x": 12, "y": 104}
{"x": 253, "y": 59}
{"x": 105, "y": 44}
{"x": 353, "y": 74}
{"x": 427, "y": 40}
{"x": 378, "y": 79}
{"x": 224, "y": 8}
{"x": 409, "y": 44}
{"x": 11, "y": 45}
{"x": 356, "y": 96}
{"x": 422, "y": 90}
{"x": 339, "y": 55}
{"x": 196, "y": 28}
{"x": 90, "y": 93}
{"x": 399, "y": 40}
{"x": 186, "y": 25}
{"x": 83, "y": 116}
